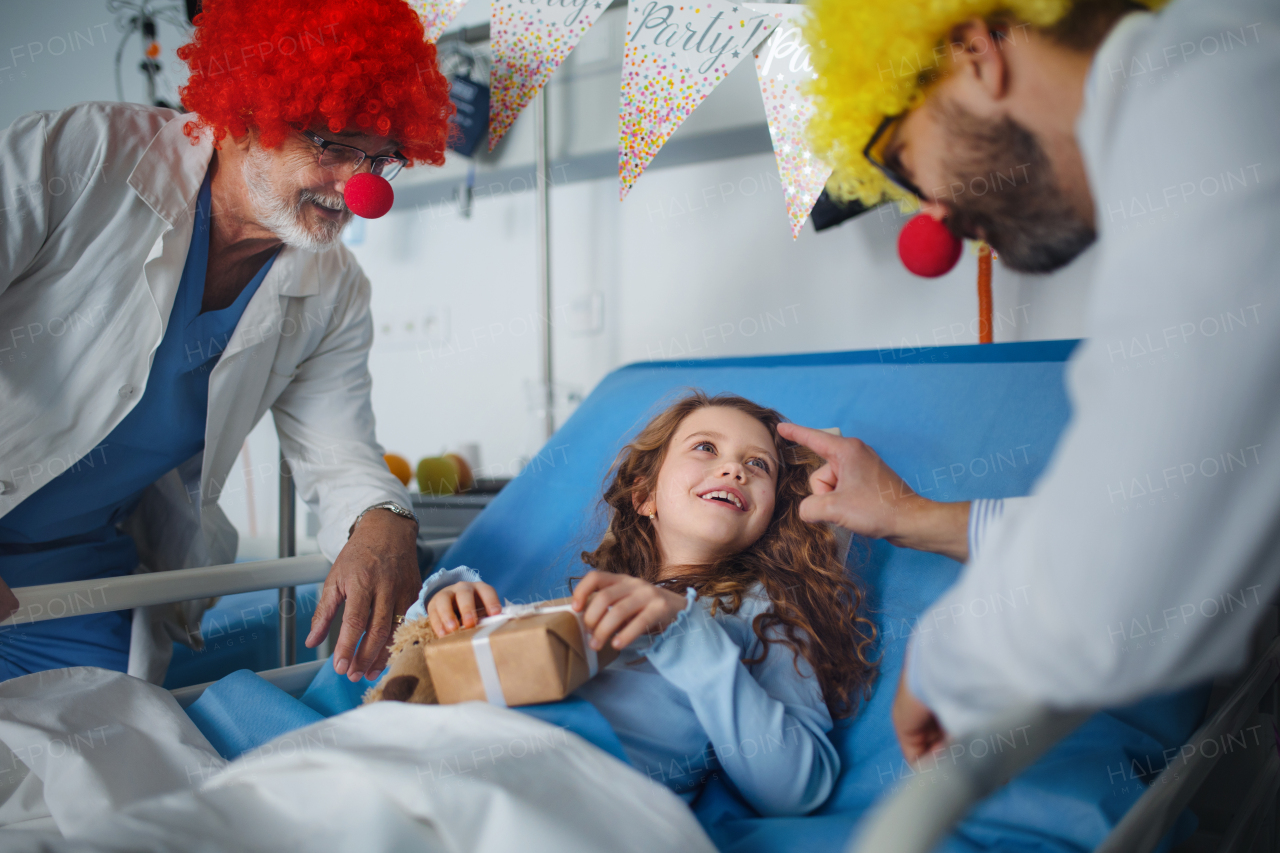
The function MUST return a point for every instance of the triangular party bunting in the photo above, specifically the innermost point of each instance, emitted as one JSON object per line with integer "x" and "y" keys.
{"x": 783, "y": 67}
{"x": 673, "y": 57}
{"x": 529, "y": 40}
{"x": 436, "y": 15}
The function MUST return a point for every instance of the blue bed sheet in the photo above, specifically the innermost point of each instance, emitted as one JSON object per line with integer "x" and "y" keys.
{"x": 958, "y": 423}
{"x": 240, "y": 632}
{"x": 242, "y": 711}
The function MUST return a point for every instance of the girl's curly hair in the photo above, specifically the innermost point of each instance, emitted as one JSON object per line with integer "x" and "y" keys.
{"x": 817, "y": 606}
{"x": 298, "y": 64}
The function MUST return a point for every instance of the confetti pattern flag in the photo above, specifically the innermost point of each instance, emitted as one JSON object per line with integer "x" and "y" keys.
{"x": 782, "y": 65}
{"x": 674, "y": 56}
{"x": 436, "y": 15}
{"x": 529, "y": 39}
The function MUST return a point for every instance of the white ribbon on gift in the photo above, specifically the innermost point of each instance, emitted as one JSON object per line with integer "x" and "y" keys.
{"x": 484, "y": 652}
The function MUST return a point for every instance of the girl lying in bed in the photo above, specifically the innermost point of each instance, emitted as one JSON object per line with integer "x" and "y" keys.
{"x": 740, "y": 630}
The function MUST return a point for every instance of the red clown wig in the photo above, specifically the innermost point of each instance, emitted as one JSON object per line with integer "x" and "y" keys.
{"x": 299, "y": 64}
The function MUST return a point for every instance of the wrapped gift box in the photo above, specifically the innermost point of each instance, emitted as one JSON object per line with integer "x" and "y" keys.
{"x": 525, "y": 655}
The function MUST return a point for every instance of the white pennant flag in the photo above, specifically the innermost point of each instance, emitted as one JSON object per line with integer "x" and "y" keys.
{"x": 783, "y": 67}
{"x": 436, "y": 15}
{"x": 673, "y": 57}
{"x": 529, "y": 40}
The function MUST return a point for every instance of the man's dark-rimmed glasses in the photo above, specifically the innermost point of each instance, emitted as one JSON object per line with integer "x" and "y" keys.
{"x": 874, "y": 152}
{"x": 335, "y": 155}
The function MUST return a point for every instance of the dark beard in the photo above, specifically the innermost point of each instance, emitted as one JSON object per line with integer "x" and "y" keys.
{"x": 1009, "y": 195}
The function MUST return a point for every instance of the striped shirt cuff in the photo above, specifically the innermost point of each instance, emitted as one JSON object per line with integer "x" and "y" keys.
{"x": 983, "y": 514}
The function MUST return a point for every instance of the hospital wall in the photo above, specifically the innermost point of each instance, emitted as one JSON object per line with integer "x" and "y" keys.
{"x": 698, "y": 261}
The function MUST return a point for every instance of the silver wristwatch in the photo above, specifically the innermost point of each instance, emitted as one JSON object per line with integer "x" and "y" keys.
{"x": 389, "y": 505}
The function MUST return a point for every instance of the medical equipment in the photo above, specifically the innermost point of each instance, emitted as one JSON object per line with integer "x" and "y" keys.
{"x": 144, "y": 18}
{"x": 957, "y": 423}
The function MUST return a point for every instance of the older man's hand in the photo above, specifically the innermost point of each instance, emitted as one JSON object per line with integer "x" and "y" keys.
{"x": 857, "y": 491}
{"x": 376, "y": 574}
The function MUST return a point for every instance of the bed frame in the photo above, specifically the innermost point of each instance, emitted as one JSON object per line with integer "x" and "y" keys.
{"x": 1238, "y": 808}
{"x": 78, "y": 598}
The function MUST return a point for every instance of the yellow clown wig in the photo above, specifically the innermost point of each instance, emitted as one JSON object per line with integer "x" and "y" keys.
{"x": 873, "y": 58}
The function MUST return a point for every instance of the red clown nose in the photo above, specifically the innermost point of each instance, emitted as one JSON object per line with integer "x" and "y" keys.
{"x": 369, "y": 195}
{"x": 926, "y": 247}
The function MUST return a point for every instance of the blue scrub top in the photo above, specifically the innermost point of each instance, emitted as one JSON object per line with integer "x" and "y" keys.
{"x": 67, "y": 530}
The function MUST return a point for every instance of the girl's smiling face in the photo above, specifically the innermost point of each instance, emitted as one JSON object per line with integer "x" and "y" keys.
{"x": 716, "y": 487}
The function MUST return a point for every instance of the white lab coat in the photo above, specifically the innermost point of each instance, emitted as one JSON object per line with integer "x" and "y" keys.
{"x": 99, "y": 201}
{"x": 1151, "y": 546}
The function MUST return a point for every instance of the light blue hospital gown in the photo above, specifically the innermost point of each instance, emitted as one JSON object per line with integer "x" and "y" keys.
{"x": 685, "y": 707}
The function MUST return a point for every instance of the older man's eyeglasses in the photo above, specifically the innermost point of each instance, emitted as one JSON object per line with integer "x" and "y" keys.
{"x": 335, "y": 155}
{"x": 875, "y": 152}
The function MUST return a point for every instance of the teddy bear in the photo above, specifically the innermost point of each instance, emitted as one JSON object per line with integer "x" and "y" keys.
{"x": 407, "y": 678}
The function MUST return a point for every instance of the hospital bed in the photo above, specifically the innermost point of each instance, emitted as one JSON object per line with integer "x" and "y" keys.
{"x": 915, "y": 820}
{"x": 957, "y": 423}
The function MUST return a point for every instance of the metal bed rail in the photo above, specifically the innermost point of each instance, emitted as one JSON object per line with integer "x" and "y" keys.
{"x": 916, "y": 818}
{"x": 1142, "y": 827}
{"x": 77, "y": 598}
{"x": 287, "y": 600}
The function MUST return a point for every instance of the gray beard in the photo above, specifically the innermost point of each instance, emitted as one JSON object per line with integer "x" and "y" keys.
{"x": 282, "y": 218}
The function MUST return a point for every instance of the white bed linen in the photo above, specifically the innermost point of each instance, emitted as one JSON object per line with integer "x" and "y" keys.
{"x": 387, "y": 776}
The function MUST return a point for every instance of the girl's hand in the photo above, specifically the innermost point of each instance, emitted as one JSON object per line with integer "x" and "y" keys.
{"x": 457, "y": 603}
{"x": 624, "y": 607}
